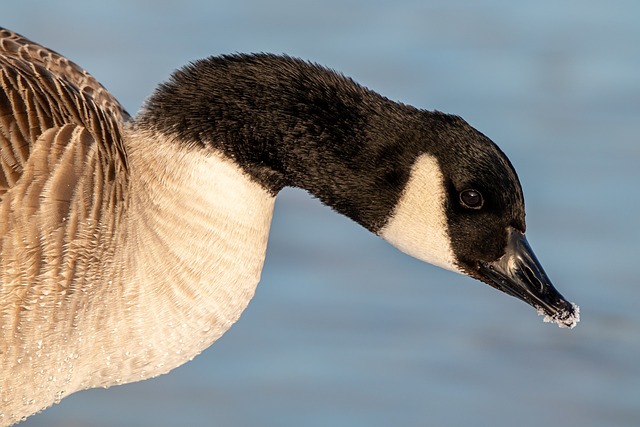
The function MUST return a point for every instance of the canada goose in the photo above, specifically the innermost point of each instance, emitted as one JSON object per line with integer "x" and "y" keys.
{"x": 129, "y": 245}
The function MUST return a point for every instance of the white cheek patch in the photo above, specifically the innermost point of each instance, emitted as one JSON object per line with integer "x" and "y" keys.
{"x": 418, "y": 225}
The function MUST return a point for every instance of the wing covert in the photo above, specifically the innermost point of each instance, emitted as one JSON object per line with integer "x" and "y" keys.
{"x": 42, "y": 90}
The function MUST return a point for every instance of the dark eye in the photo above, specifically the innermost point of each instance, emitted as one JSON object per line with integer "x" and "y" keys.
{"x": 471, "y": 199}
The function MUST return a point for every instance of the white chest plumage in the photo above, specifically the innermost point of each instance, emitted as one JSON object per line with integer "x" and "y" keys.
{"x": 198, "y": 242}
{"x": 190, "y": 249}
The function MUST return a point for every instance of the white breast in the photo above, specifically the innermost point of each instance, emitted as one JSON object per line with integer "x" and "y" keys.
{"x": 197, "y": 246}
{"x": 184, "y": 254}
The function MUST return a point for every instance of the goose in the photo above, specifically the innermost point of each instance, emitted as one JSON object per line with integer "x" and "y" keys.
{"x": 128, "y": 245}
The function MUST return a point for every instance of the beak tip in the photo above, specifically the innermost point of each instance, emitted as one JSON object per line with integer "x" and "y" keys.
{"x": 519, "y": 273}
{"x": 566, "y": 318}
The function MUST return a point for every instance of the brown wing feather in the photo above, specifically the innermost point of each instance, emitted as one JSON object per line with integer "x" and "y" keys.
{"x": 42, "y": 90}
{"x": 15, "y": 46}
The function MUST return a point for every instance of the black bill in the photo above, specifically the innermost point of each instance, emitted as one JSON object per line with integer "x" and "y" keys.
{"x": 518, "y": 273}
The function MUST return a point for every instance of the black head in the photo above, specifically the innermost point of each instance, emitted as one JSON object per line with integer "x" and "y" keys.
{"x": 426, "y": 181}
{"x": 483, "y": 194}
{"x": 463, "y": 209}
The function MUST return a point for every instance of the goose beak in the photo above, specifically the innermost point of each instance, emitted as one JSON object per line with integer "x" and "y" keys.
{"x": 519, "y": 274}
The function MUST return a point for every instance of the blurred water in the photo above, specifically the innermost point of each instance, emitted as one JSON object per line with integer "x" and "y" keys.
{"x": 344, "y": 330}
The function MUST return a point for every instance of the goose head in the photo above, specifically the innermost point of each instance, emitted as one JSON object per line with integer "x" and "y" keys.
{"x": 425, "y": 181}
{"x": 463, "y": 209}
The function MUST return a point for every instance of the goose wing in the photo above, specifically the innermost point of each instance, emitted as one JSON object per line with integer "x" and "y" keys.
{"x": 16, "y": 47}
{"x": 42, "y": 92}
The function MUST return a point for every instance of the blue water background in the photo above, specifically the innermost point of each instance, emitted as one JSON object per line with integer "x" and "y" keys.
{"x": 346, "y": 331}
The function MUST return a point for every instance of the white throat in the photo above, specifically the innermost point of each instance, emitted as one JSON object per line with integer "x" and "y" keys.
{"x": 418, "y": 225}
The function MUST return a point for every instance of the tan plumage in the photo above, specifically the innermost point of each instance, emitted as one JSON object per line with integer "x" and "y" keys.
{"x": 102, "y": 279}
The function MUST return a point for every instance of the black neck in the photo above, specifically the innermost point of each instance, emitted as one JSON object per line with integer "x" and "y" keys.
{"x": 290, "y": 123}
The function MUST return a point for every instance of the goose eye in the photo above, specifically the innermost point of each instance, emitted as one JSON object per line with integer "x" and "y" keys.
{"x": 471, "y": 199}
